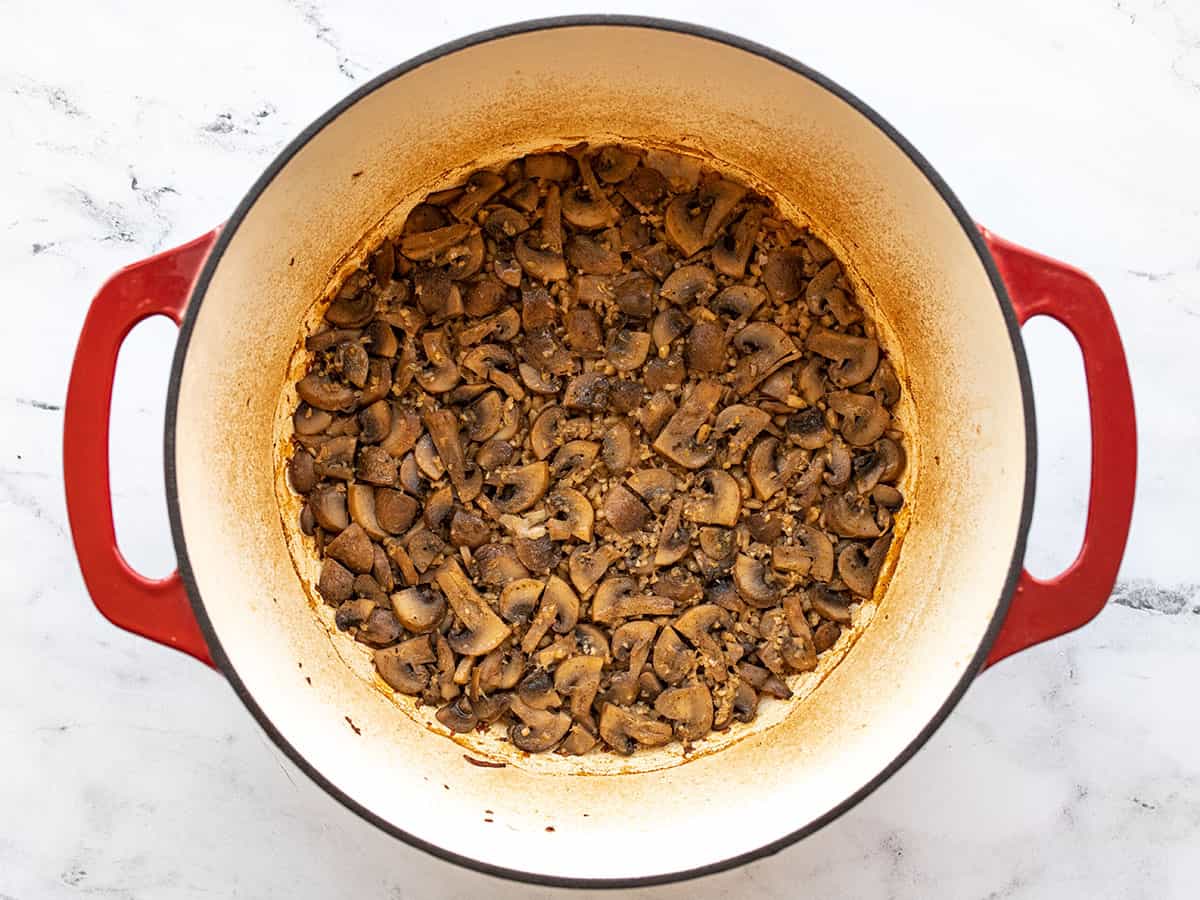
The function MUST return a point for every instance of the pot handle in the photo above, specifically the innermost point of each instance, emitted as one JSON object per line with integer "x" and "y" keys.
{"x": 1043, "y": 609}
{"x": 157, "y": 609}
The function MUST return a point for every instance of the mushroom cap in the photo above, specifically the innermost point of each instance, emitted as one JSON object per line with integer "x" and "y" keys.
{"x": 623, "y": 730}
{"x": 864, "y": 419}
{"x": 524, "y": 486}
{"x": 717, "y": 499}
{"x": 673, "y": 661}
{"x": 519, "y": 599}
{"x": 690, "y": 707}
{"x": 688, "y": 285}
{"x": 402, "y": 667}
{"x": 850, "y": 515}
{"x": 856, "y": 357}
{"x": 539, "y": 729}
{"x": 419, "y": 609}
{"x": 753, "y": 583}
{"x": 482, "y": 629}
{"x": 579, "y": 678}
{"x": 458, "y": 715}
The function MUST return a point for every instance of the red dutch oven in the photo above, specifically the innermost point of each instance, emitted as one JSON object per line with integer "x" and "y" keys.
{"x": 949, "y": 299}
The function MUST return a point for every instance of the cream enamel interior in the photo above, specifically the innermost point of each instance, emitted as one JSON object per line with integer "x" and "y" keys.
{"x": 924, "y": 282}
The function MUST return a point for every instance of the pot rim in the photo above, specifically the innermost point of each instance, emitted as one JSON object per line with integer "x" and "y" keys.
{"x": 229, "y": 229}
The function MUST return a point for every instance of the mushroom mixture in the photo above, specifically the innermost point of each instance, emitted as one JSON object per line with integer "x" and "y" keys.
{"x": 598, "y": 448}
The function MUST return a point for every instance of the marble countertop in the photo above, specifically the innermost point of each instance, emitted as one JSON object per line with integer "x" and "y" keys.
{"x": 129, "y": 771}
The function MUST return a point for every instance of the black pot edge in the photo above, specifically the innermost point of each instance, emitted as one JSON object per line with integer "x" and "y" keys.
{"x": 230, "y": 228}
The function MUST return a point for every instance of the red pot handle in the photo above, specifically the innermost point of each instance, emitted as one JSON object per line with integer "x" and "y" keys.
{"x": 157, "y": 609}
{"x": 1042, "y": 609}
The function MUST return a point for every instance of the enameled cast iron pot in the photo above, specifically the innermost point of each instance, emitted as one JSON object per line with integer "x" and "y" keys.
{"x": 949, "y": 297}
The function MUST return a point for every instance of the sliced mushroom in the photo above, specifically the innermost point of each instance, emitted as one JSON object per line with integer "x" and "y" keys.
{"x": 627, "y": 350}
{"x": 624, "y": 730}
{"x": 738, "y": 301}
{"x": 482, "y": 629}
{"x": 860, "y": 567}
{"x": 856, "y": 357}
{"x": 684, "y": 222}
{"x": 309, "y": 421}
{"x": 706, "y": 348}
{"x": 360, "y": 499}
{"x": 619, "y": 598}
{"x": 572, "y": 515}
{"x": 782, "y": 649}
{"x": 587, "y": 565}
{"x": 302, "y": 473}
{"x": 498, "y": 564}
{"x": 538, "y": 262}
{"x": 539, "y": 729}
{"x": 442, "y": 373}
{"x": 549, "y": 166}
{"x": 352, "y": 548}
{"x": 537, "y": 690}
{"x": 829, "y": 604}
{"x": 690, "y": 707}
{"x": 633, "y": 293}
{"x": 716, "y": 499}
{"x": 586, "y": 206}
{"x": 481, "y": 187}
{"x": 459, "y": 715}
{"x": 689, "y": 285}
{"x": 674, "y": 538}
{"x": 617, "y": 448}
{"x": 403, "y": 667}
{"x": 573, "y": 459}
{"x": 696, "y": 624}
{"x": 673, "y": 661}
{"x": 336, "y": 583}
{"x": 631, "y": 644}
{"x": 807, "y": 429}
{"x": 731, "y": 253}
{"x": 746, "y": 423}
{"x": 503, "y": 223}
{"x": 783, "y": 274}
{"x": 421, "y": 246}
{"x": 321, "y": 392}
{"x": 643, "y": 188}
{"x": 678, "y": 441}
{"x": 850, "y": 515}
{"x": 864, "y": 419}
{"x": 623, "y": 510}
{"x": 579, "y": 679}
{"x": 615, "y": 164}
{"x": 588, "y": 392}
{"x": 765, "y": 347}
{"x": 826, "y": 635}
{"x": 588, "y": 255}
{"x": 718, "y": 544}
{"x": 753, "y": 583}
{"x": 814, "y": 545}
{"x": 522, "y": 486}
{"x": 406, "y": 428}
{"x": 770, "y": 469}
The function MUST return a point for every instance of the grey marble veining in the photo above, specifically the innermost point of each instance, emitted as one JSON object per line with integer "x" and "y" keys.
{"x": 128, "y": 771}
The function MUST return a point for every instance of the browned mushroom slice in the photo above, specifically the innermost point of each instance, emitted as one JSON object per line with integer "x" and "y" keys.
{"x": 769, "y": 469}
{"x": 655, "y": 486}
{"x": 403, "y": 667}
{"x": 678, "y": 440}
{"x": 587, "y": 565}
{"x": 485, "y": 297}
{"x": 746, "y": 422}
{"x": 781, "y": 650}
{"x": 673, "y": 661}
{"x": 462, "y": 261}
{"x": 335, "y": 458}
{"x": 684, "y": 224}
{"x": 617, "y": 448}
{"x": 439, "y": 506}
{"x": 538, "y": 382}
{"x": 459, "y": 715}
{"x": 480, "y": 188}
{"x": 696, "y": 624}
{"x": 394, "y": 510}
{"x": 807, "y": 429}
{"x": 498, "y": 564}
{"x": 572, "y": 515}
{"x": 856, "y": 357}
{"x": 574, "y": 459}
{"x": 689, "y": 285}
{"x": 838, "y": 459}
{"x": 559, "y": 608}
{"x": 674, "y": 538}
{"x": 351, "y": 312}
{"x": 579, "y": 740}
{"x": 765, "y": 347}
{"x": 738, "y": 301}
{"x": 619, "y": 598}
{"x": 378, "y": 382}
{"x": 336, "y": 583}
{"x": 829, "y": 604}
{"x": 425, "y": 245}
{"x": 302, "y": 473}
{"x": 322, "y": 392}
{"x": 850, "y": 516}
{"x": 586, "y": 205}
{"x": 549, "y": 166}
{"x": 354, "y": 612}
{"x": 360, "y": 498}
{"x": 540, "y": 263}
{"x": 309, "y": 421}
{"x": 539, "y": 729}
{"x": 536, "y": 690}
{"x": 656, "y": 260}
{"x": 732, "y": 252}
{"x": 589, "y": 255}
{"x": 442, "y": 373}
{"x": 503, "y": 223}
{"x": 403, "y": 434}
{"x": 864, "y": 419}
{"x": 860, "y": 567}
{"x": 783, "y": 274}
{"x": 882, "y": 464}
{"x": 706, "y": 348}
{"x": 753, "y": 583}
{"x": 716, "y": 499}
{"x": 826, "y": 635}
{"x": 690, "y": 707}
{"x": 352, "y": 548}
{"x": 424, "y": 217}
{"x": 328, "y": 506}
{"x": 588, "y": 392}
{"x": 482, "y": 629}
{"x": 623, "y": 510}
{"x": 819, "y": 288}
{"x": 665, "y": 373}
{"x": 376, "y": 466}
{"x": 442, "y": 425}
{"x": 643, "y": 188}
{"x": 653, "y": 415}
{"x": 419, "y": 609}
{"x": 583, "y": 332}
{"x": 519, "y": 600}
{"x": 631, "y": 645}
{"x": 885, "y": 383}
{"x": 719, "y": 545}
{"x": 624, "y": 731}
{"x": 375, "y": 422}
{"x": 627, "y": 350}
{"x": 812, "y": 553}
{"x": 521, "y": 486}
{"x": 579, "y": 679}
{"x": 615, "y": 164}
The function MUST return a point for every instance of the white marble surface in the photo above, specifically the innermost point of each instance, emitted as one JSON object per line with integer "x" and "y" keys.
{"x": 128, "y": 771}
